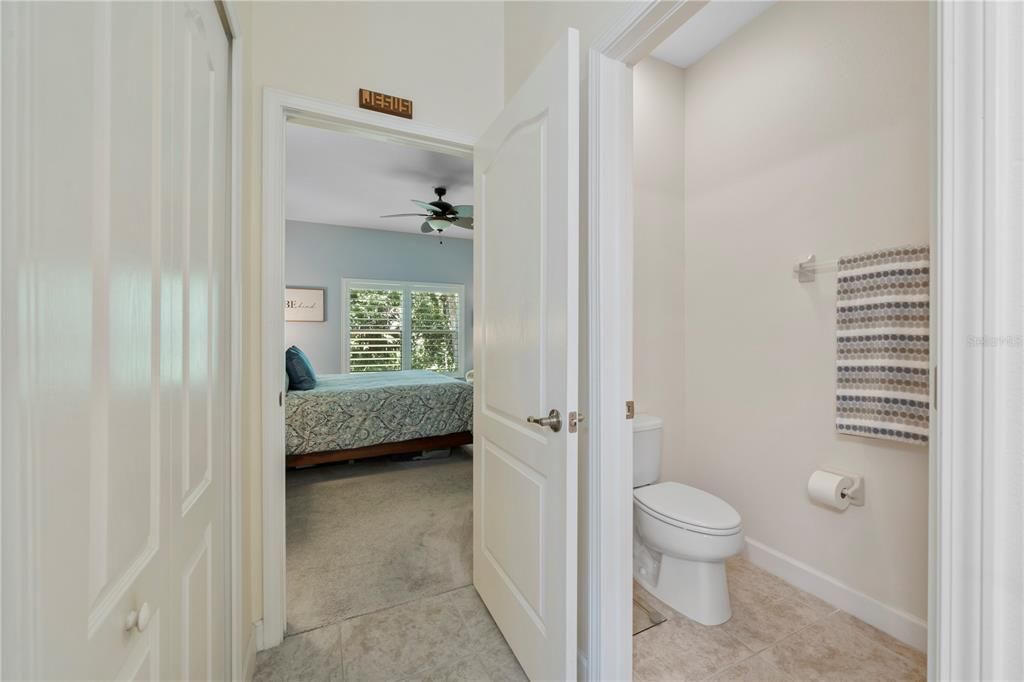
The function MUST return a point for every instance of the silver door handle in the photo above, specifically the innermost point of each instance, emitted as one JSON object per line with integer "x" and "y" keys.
{"x": 553, "y": 421}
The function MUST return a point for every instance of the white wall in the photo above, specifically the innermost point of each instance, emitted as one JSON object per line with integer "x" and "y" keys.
{"x": 807, "y": 131}
{"x": 329, "y": 50}
{"x": 658, "y": 242}
{"x": 532, "y": 28}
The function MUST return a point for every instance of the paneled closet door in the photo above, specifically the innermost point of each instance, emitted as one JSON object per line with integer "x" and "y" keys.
{"x": 196, "y": 271}
{"x": 114, "y": 340}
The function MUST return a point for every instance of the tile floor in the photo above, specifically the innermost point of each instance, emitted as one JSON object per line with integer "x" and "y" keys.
{"x": 777, "y": 632}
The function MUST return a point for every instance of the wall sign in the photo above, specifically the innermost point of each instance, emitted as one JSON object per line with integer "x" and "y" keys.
{"x": 304, "y": 304}
{"x": 385, "y": 104}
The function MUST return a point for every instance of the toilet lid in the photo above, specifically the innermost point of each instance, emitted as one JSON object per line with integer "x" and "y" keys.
{"x": 687, "y": 506}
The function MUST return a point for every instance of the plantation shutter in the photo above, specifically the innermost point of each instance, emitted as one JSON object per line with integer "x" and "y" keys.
{"x": 435, "y": 330}
{"x": 375, "y": 327}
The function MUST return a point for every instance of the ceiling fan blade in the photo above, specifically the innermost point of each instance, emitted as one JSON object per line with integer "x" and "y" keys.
{"x": 405, "y": 215}
{"x": 464, "y": 222}
{"x": 464, "y": 211}
{"x": 425, "y": 228}
{"x": 426, "y": 207}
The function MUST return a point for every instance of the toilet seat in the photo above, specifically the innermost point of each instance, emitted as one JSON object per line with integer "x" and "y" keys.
{"x": 689, "y": 508}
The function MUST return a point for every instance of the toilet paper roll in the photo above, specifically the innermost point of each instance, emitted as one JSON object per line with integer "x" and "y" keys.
{"x": 826, "y": 488}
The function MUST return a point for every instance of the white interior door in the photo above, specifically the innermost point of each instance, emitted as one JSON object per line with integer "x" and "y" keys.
{"x": 115, "y": 290}
{"x": 526, "y": 252}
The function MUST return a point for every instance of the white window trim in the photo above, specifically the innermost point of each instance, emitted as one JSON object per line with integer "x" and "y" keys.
{"x": 406, "y": 288}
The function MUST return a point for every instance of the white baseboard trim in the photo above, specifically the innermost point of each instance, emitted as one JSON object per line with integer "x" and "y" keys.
{"x": 249, "y": 657}
{"x": 903, "y": 626}
{"x": 257, "y": 629}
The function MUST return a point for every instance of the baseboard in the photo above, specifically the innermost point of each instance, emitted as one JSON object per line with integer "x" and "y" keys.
{"x": 257, "y": 629}
{"x": 903, "y": 626}
{"x": 249, "y": 657}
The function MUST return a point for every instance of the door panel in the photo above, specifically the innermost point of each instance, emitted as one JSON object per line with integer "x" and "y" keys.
{"x": 526, "y": 169}
{"x": 512, "y": 543}
{"x": 514, "y": 334}
{"x": 200, "y": 536}
{"x": 197, "y": 592}
{"x": 114, "y": 339}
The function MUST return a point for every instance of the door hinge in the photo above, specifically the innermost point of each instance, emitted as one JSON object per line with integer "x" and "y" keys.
{"x": 280, "y": 399}
{"x": 574, "y": 420}
{"x": 630, "y": 409}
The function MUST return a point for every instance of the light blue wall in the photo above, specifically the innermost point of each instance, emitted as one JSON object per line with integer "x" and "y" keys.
{"x": 322, "y": 255}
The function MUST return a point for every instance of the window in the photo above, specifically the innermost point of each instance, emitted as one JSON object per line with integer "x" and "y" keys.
{"x": 389, "y": 326}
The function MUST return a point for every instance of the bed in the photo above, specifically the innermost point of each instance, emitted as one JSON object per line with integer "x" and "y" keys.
{"x": 358, "y": 415}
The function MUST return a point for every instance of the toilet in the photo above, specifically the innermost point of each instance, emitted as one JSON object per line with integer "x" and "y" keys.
{"x": 681, "y": 535}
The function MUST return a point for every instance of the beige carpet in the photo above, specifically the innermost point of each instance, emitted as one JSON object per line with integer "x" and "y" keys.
{"x": 373, "y": 534}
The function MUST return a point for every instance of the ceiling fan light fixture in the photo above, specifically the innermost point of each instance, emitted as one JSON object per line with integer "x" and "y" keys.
{"x": 438, "y": 224}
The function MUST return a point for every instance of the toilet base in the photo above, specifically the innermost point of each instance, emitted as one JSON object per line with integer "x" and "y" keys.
{"x": 697, "y": 589}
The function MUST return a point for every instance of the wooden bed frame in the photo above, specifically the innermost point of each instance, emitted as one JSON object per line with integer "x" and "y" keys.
{"x": 402, "y": 447}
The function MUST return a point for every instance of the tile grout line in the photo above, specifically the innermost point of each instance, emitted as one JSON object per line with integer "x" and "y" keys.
{"x": 758, "y": 652}
{"x": 476, "y": 637}
{"x": 380, "y": 610}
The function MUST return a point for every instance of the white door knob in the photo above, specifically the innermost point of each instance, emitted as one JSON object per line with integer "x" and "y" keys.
{"x": 138, "y": 619}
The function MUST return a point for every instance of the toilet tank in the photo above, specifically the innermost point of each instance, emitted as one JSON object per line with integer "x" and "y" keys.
{"x": 646, "y": 449}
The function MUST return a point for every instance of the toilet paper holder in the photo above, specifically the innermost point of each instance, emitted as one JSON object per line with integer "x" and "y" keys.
{"x": 853, "y": 493}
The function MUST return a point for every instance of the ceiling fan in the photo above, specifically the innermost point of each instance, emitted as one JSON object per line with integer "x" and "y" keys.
{"x": 440, "y": 215}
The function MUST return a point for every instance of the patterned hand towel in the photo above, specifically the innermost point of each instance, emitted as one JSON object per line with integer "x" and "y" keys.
{"x": 882, "y": 345}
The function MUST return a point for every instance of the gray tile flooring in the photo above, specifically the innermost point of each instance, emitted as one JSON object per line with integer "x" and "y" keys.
{"x": 777, "y": 632}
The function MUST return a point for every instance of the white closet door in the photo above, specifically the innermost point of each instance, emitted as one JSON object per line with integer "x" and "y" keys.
{"x": 114, "y": 340}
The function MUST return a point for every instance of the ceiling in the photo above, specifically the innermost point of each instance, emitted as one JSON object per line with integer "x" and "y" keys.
{"x": 709, "y": 27}
{"x": 340, "y": 179}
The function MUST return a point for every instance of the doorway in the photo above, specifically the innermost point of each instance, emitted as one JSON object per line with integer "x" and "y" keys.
{"x": 965, "y": 244}
{"x": 288, "y": 113}
{"x": 377, "y": 446}
{"x": 525, "y": 357}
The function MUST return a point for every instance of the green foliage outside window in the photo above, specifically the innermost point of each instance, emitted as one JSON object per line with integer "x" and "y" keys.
{"x": 375, "y": 330}
{"x": 435, "y": 323}
{"x": 376, "y": 327}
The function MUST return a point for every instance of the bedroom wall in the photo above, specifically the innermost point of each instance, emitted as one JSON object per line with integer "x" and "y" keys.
{"x": 329, "y": 50}
{"x": 808, "y": 131}
{"x": 322, "y": 255}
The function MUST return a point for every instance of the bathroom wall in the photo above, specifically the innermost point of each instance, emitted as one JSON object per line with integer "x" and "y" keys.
{"x": 322, "y": 255}
{"x": 659, "y": 244}
{"x": 808, "y": 131}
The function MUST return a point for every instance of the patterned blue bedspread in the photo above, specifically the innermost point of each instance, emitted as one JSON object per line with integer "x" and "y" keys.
{"x": 368, "y": 408}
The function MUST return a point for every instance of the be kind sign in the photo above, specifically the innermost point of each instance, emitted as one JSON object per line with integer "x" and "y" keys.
{"x": 304, "y": 304}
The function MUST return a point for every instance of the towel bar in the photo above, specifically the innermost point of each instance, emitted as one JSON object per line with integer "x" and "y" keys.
{"x": 805, "y": 270}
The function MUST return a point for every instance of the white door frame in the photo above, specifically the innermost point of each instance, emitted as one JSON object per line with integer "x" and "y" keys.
{"x": 240, "y": 648}
{"x": 608, "y": 652}
{"x": 978, "y": 279}
{"x": 976, "y": 548}
{"x": 279, "y": 108}
{"x": 233, "y": 497}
